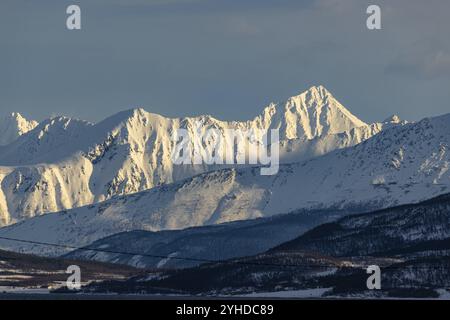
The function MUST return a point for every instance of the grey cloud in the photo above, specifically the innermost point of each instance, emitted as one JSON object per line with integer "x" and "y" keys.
{"x": 425, "y": 60}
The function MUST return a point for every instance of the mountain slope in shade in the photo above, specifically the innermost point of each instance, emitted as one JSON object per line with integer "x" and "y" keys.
{"x": 65, "y": 163}
{"x": 410, "y": 243}
{"x": 399, "y": 230}
{"x": 13, "y": 126}
{"x": 216, "y": 242}
{"x": 403, "y": 164}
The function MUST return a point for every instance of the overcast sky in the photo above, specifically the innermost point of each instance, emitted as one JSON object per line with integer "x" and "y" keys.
{"x": 226, "y": 58}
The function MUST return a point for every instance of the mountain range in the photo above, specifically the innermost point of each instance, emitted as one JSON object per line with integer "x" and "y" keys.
{"x": 73, "y": 183}
{"x": 401, "y": 164}
{"x": 64, "y": 163}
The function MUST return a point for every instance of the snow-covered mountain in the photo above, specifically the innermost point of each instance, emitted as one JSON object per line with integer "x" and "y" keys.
{"x": 65, "y": 163}
{"x": 402, "y": 164}
{"x": 13, "y": 126}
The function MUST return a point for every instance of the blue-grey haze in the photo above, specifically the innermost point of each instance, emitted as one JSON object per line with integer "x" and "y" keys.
{"x": 227, "y": 58}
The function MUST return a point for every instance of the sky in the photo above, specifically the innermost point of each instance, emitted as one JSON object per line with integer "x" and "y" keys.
{"x": 226, "y": 58}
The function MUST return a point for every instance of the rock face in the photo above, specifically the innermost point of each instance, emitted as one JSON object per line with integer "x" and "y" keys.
{"x": 65, "y": 163}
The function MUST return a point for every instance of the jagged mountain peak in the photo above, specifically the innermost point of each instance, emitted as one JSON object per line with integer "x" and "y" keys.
{"x": 313, "y": 113}
{"x": 57, "y": 125}
{"x": 16, "y": 116}
{"x": 13, "y": 125}
{"x": 48, "y": 142}
{"x": 63, "y": 121}
{"x": 318, "y": 92}
{"x": 117, "y": 119}
{"x": 315, "y": 97}
{"x": 393, "y": 119}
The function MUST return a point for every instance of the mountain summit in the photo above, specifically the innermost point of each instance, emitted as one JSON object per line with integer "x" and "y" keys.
{"x": 13, "y": 126}
{"x": 310, "y": 114}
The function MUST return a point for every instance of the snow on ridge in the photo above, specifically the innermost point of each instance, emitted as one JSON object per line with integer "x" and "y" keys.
{"x": 13, "y": 126}
{"x": 65, "y": 163}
